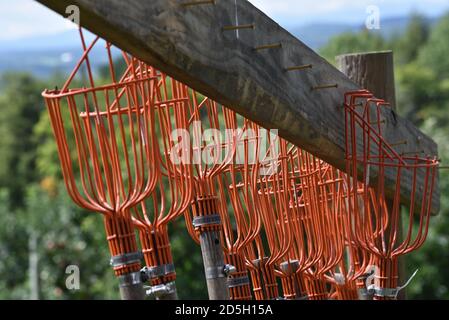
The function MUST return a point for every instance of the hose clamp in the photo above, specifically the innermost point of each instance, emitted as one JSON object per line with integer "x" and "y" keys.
{"x": 157, "y": 272}
{"x": 238, "y": 282}
{"x": 209, "y": 220}
{"x": 126, "y": 259}
{"x": 390, "y": 292}
{"x": 385, "y": 292}
{"x": 290, "y": 266}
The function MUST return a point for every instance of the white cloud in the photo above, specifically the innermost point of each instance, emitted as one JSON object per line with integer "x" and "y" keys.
{"x": 23, "y": 18}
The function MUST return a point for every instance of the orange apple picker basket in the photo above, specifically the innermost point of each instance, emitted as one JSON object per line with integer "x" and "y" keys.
{"x": 375, "y": 222}
{"x": 173, "y": 194}
{"x": 106, "y": 144}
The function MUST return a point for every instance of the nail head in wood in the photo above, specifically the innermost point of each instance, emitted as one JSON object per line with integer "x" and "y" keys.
{"x": 299, "y": 68}
{"x": 330, "y": 86}
{"x": 240, "y": 27}
{"x": 197, "y": 3}
{"x": 400, "y": 143}
{"x": 269, "y": 46}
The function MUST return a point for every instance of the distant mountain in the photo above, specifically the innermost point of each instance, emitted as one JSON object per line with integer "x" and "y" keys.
{"x": 45, "y": 63}
{"x": 45, "y": 55}
{"x": 60, "y": 41}
{"x": 317, "y": 35}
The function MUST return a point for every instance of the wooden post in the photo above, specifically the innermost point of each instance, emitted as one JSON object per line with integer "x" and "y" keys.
{"x": 130, "y": 284}
{"x": 208, "y": 225}
{"x": 131, "y": 287}
{"x": 374, "y": 71}
{"x": 213, "y": 259}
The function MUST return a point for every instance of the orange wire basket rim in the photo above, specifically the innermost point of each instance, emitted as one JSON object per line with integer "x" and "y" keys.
{"x": 57, "y": 94}
{"x": 426, "y": 163}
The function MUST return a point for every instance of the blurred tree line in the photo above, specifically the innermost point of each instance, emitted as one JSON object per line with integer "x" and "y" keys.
{"x": 42, "y": 231}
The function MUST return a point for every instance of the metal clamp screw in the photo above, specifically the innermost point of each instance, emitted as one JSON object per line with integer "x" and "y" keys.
{"x": 161, "y": 290}
{"x": 229, "y": 270}
{"x": 157, "y": 272}
{"x": 238, "y": 282}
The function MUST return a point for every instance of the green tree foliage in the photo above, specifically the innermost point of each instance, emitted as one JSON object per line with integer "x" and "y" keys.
{"x": 432, "y": 60}
{"x": 409, "y": 44}
{"x": 68, "y": 236}
{"x": 34, "y": 203}
{"x": 21, "y": 105}
{"x": 417, "y": 87}
{"x": 13, "y": 252}
{"x": 364, "y": 41}
{"x": 434, "y": 54}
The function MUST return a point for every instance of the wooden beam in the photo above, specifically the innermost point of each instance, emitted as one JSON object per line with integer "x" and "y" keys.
{"x": 248, "y": 70}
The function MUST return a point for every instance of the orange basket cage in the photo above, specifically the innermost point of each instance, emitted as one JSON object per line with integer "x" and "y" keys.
{"x": 374, "y": 222}
{"x": 301, "y": 206}
{"x": 244, "y": 242}
{"x": 106, "y": 140}
{"x": 174, "y": 191}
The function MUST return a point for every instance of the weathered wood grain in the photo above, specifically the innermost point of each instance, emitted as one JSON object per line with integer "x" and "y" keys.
{"x": 213, "y": 259}
{"x": 190, "y": 44}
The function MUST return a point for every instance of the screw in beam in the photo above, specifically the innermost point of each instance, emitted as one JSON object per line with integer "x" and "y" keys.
{"x": 240, "y": 27}
{"x": 400, "y": 143}
{"x": 299, "y": 68}
{"x": 330, "y": 86}
{"x": 269, "y": 46}
{"x": 378, "y": 122}
{"x": 196, "y": 3}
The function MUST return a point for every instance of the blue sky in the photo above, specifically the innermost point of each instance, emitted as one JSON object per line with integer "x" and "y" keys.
{"x": 25, "y": 18}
